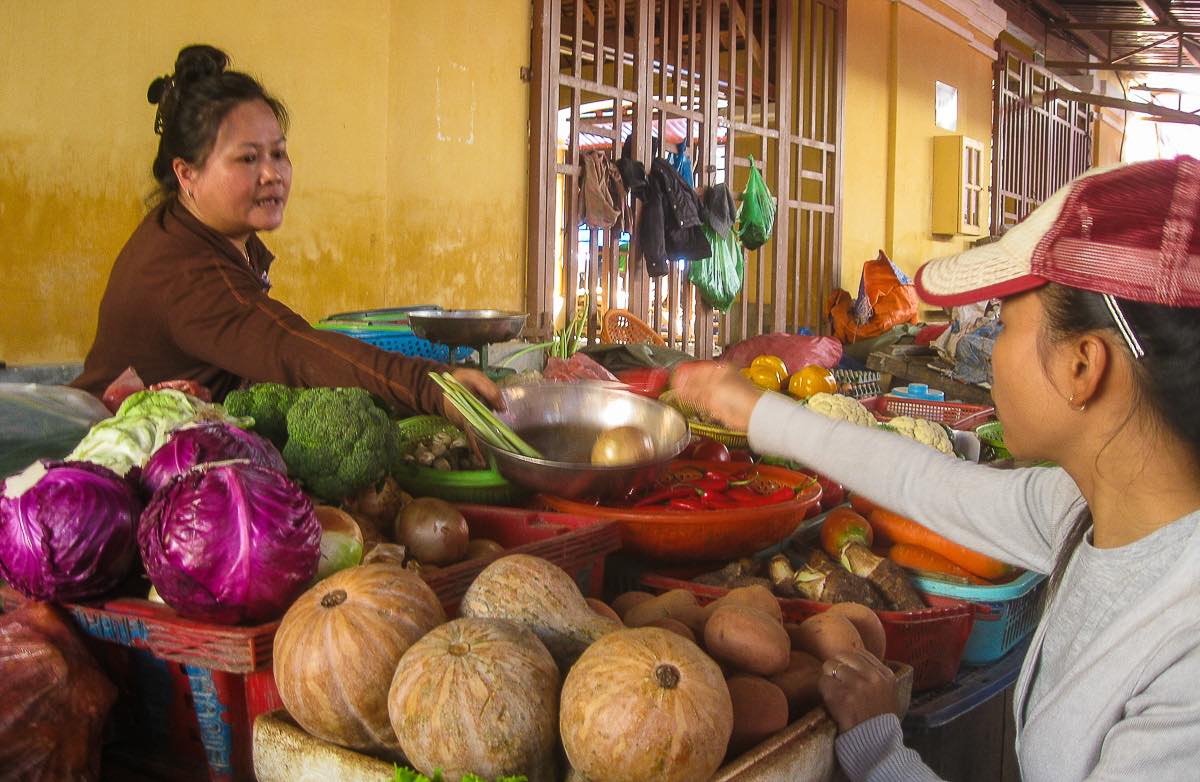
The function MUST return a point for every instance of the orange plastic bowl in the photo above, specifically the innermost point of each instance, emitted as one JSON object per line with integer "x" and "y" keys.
{"x": 691, "y": 536}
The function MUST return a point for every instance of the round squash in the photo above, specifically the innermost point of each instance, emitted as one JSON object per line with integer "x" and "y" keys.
{"x": 540, "y": 595}
{"x": 645, "y": 704}
{"x": 478, "y": 696}
{"x": 338, "y": 646}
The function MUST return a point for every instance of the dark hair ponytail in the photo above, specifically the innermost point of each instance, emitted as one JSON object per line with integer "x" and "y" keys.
{"x": 1166, "y": 378}
{"x": 192, "y": 102}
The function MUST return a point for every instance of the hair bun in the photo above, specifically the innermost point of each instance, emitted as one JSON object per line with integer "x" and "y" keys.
{"x": 199, "y": 61}
{"x": 158, "y": 89}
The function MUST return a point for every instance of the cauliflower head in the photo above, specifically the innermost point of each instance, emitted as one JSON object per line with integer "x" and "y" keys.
{"x": 844, "y": 408}
{"x": 923, "y": 431}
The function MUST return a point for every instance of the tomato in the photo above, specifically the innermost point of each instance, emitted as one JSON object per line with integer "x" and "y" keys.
{"x": 813, "y": 379}
{"x": 705, "y": 449}
{"x": 832, "y": 493}
{"x": 741, "y": 456}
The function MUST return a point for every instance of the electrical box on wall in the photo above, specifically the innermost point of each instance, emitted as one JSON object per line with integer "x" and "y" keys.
{"x": 958, "y": 206}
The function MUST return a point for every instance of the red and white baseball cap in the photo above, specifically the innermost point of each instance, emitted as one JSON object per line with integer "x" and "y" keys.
{"x": 1129, "y": 231}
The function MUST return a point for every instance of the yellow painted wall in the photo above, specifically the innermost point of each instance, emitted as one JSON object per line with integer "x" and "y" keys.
{"x": 408, "y": 138}
{"x": 889, "y": 43}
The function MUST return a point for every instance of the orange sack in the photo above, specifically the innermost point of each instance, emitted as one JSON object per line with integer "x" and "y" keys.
{"x": 886, "y": 298}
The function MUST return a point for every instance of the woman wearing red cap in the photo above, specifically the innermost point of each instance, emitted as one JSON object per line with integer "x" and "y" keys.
{"x": 1096, "y": 370}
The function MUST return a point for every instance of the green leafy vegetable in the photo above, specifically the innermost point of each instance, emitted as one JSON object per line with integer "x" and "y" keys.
{"x": 141, "y": 425}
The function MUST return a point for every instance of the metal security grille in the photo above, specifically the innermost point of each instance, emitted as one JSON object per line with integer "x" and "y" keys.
{"x": 721, "y": 80}
{"x": 1041, "y": 142}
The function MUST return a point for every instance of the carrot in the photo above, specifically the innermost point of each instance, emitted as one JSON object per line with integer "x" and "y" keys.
{"x": 898, "y": 529}
{"x": 862, "y": 504}
{"x": 922, "y": 559}
{"x": 842, "y": 526}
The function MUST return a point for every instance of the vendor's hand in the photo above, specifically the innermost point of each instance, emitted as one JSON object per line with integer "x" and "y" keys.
{"x": 480, "y": 385}
{"x": 718, "y": 390}
{"x": 857, "y": 687}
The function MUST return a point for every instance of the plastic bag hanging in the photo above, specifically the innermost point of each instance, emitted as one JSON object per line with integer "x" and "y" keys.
{"x": 680, "y": 161}
{"x": 719, "y": 278}
{"x": 756, "y": 216}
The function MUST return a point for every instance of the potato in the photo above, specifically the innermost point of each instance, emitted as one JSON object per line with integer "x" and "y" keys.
{"x": 759, "y": 709}
{"x": 826, "y": 635}
{"x": 602, "y": 608}
{"x": 627, "y": 600}
{"x": 666, "y": 604}
{"x": 867, "y": 623}
{"x": 759, "y": 597}
{"x": 799, "y": 683}
{"x": 695, "y": 617}
{"x": 747, "y": 639}
{"x": 675, "y": 626}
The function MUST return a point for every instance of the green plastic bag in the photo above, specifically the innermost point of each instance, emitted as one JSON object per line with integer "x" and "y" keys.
{"x": 756, "y": 215}
{"x": 719, "y": 278}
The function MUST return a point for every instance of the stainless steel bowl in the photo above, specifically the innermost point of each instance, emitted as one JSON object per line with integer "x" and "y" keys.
{"x": 466, "y": 327}
{"x": 562, "y": 420}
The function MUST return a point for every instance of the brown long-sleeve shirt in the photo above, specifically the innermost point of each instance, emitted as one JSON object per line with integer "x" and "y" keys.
{"x": 182, "y": 302}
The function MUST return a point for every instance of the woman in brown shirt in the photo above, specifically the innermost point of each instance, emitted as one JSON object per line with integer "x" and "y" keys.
{"x": 187, "y": 297}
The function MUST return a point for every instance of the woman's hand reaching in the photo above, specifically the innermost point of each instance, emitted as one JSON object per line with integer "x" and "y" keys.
{"x": 857, "y": 687}
{"x": 718, "y": 390}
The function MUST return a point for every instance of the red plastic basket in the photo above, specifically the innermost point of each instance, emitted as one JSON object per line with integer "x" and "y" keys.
{"x": 198, "y": 687}
{"x": 931, "y": 640}
{"x": 577, "y": 544}
{"x": 953, "y": 414}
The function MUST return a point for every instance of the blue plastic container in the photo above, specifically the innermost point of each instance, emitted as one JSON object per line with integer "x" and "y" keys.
{"x": 919, "y": 391}
{"x": 396, "y": 339}
{"x": 1005, "y": 614}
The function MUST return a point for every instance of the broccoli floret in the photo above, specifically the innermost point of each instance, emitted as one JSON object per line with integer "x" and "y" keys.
{"x": 268, "y": 405}
{"x": 338, "y": 441}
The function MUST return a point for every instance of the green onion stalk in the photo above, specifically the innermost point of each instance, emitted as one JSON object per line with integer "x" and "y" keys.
{"x": 480, "y": 417}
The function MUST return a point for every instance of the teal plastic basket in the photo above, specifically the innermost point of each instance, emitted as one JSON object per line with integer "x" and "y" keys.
{"x": 481, "y": 487}
{"x": 1004, "y": 614}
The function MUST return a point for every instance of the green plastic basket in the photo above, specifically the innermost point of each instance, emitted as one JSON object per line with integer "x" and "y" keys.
{"x": 481, "y": 487}
{"x": 992, "y": 433}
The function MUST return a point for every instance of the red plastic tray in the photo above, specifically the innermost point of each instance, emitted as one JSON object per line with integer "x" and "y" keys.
{"x": 931, "y": 641}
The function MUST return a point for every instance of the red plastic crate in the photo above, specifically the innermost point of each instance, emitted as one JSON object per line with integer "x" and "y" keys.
{"x": 953, "y": 414}
{"x": 200, "y": 686}
{"x": 931, "y": 641}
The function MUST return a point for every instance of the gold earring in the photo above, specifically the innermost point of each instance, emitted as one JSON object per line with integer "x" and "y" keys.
{"x": 1071, "y": 404}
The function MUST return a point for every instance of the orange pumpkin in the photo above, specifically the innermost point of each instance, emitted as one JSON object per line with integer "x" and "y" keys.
{"x": 645, "y": 704}
{"x": 338, "y": 646}
{"x": 478, "y": 696}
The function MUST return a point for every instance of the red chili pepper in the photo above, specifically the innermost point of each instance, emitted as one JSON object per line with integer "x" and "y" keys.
{"x": 662, "y": 495}
{"x": 710, "y": 484}
{"x": 714, "y": 500}
{"x": 686, "y": 503}
{"x": 747, "y": 498}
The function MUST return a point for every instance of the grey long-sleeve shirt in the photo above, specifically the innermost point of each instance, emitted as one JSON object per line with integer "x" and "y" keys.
{"x": 1116, "y": 657}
